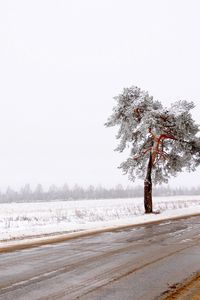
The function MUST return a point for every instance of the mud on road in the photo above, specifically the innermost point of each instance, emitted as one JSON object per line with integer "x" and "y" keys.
{"x": 188, "y": 290}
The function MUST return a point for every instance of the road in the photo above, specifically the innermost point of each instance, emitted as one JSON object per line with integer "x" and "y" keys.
{"x": 139, "y": 263}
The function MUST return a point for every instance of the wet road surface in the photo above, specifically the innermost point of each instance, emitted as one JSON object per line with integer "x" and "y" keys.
{"x": 139, "y": 263}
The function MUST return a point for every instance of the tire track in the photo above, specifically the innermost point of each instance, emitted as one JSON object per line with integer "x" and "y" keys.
{"x": 91, "y": 284}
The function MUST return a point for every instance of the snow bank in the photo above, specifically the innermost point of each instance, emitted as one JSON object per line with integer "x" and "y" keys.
{"x": 19, "y": 220}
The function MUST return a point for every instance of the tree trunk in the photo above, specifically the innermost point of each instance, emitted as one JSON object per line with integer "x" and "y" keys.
{"x": 148, "y": 188}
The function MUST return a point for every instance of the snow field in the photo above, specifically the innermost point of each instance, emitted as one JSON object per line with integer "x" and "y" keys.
{"x": 20, "y": 220}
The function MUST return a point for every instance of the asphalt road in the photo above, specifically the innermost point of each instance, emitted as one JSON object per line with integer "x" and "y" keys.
{"x": 137, "y": 263}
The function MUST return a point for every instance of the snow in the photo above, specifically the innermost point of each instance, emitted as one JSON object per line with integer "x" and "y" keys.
{"x": 25, "y": 220}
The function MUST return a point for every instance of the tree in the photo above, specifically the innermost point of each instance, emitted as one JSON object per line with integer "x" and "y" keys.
{"x": 10, "y": 195}
{"x": 53, "y": 192}
{"x": 163, "y": 141}
{"x": 39, "y": 193}
{"x": 25, "y": 192}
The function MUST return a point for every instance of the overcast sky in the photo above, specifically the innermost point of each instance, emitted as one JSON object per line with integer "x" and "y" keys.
{"x": 61, "y": 64}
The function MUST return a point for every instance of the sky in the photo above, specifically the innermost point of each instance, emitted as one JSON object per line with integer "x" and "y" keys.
{"x": 61, "y": 64}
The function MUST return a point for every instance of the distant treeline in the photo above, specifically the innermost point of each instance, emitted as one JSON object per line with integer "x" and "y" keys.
{"x": 26, "y": 194}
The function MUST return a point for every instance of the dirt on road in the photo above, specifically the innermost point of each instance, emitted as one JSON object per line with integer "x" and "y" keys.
{"x": 189, "y": 290}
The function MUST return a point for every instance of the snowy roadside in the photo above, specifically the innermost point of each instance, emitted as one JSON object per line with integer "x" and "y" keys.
{"x": 29, "y": 220}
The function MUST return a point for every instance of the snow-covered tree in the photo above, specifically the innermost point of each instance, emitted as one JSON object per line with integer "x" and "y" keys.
{"x": 163, "y": 141}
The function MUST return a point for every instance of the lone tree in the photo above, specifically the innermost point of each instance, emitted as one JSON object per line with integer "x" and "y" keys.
{"x": 163, "y": 141}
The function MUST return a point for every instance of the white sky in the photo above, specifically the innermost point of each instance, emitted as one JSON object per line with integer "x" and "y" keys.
{"x": 61, "y": 63}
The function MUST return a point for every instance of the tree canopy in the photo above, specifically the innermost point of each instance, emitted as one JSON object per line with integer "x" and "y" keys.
{"x": 169, "y": 134}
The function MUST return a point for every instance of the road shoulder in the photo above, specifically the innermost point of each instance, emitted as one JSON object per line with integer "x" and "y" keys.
{"x": 46, "y": 240}
{"x": 187, "y": 290}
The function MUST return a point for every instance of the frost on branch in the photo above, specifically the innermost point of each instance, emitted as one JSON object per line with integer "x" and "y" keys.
{"x": 169, "y": 134}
